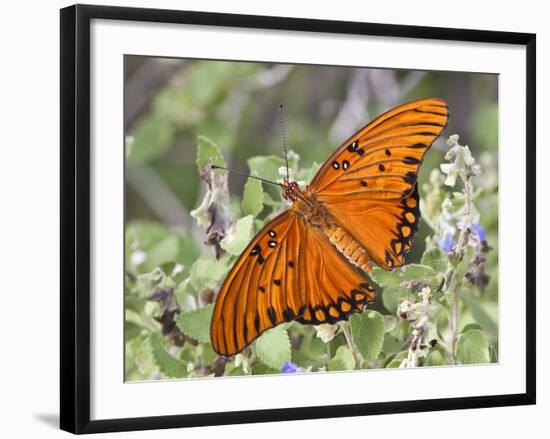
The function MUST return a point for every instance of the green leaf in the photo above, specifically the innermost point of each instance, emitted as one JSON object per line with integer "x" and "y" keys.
{"x": 196, "y": 323}
{"x": 239, "y": 237}
{"x": 480, "y": 314}
{"x": 391, "y": 282}
{"x": 262, "y": 369}
{"x": 164, "y": 251}
{"x": 397, "y": 360}
{"x": 153, "y": 136}
{"x": 168, "y": 365}
{"x": 435, "y": 258}
{"x": 435, "y": 358}
{"x": 268, "y": 201}
{"x": 273, "y": 347}
{"x": 131, "y": 330}
{"x": 342, "y": 360}
{"x": 208, "y": 153}
{"x": 266, "y": 166}
{"x": 144, "y": 359}
{"x": 253, "y": 196}
{"x": 392, "y": 344}
{"x": 472, "y": 347}
{"x": 232, "y": 370}
{"x": 188, "y": 249}
{"x": 146, "y": 233}
{"x": 367, "y": 330}
{"x": 207, "y": 272}
{"x": 471, "y": 326}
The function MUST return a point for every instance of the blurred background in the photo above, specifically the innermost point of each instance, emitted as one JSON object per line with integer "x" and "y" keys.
{"x": 169, "y": 102}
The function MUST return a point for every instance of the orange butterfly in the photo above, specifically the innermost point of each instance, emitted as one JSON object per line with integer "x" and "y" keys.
{"x": 361, "y": 206}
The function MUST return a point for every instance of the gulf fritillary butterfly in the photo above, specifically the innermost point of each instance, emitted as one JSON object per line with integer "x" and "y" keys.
{"x": 361, "y": 206}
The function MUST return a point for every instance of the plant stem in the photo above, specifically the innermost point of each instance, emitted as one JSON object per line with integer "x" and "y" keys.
{"x": 453, "y": 280}
{"x": 351, "y": 344}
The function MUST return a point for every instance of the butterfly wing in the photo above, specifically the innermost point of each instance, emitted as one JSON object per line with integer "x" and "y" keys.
{"x": 369, "y": 183}
{"x": 288, "y": 272}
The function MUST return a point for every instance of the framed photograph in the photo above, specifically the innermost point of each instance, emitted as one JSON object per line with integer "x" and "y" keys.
{"x": 274, "y": 218}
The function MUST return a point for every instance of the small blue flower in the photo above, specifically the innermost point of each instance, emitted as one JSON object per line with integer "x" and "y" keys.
{"x": 479, "y": 231}
{"x": 290, "y": 367}
{"x": 446, "y": 243}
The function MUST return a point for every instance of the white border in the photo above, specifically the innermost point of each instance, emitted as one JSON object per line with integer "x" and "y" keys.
{"x": 111, "y": 398}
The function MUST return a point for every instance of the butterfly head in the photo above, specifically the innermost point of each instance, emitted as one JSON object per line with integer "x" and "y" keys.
{"x": 291, "y": 190}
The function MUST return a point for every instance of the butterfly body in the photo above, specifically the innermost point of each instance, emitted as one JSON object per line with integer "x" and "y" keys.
{"x": 362, "y": 206}
{"x": 317, "y": 216}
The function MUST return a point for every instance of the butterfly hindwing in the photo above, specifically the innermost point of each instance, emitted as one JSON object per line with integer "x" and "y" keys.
{"x": 288, "y": 272}
{"x": 333, "y": 287}
{"x": 385, "y": 228}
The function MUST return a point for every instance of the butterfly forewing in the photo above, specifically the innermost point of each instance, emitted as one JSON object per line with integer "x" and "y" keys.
{"x": 382, "y": 159}
{"x": 243, "y": 306}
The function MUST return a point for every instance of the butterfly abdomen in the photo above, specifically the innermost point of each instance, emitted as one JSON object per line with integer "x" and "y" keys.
{"x": 349, "y": 247}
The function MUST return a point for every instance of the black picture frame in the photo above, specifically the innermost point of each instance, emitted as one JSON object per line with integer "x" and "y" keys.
{"x": 75, "y": 217}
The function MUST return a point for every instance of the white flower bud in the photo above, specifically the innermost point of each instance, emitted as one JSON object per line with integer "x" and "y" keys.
{"x": 326, "y": 332}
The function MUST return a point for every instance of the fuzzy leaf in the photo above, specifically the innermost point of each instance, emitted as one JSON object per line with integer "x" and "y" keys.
{"x": 367, "y": 330}
{"x": 392, "y": 344}
{"x": 239, "y": 237}
{"x": 435, "y": 258}
{"x": 268, "y": 201}
{"x": 472, "y": 347}
{"x": 253, "y": 196}
{"x": 480, "y": 313}
{"x": 391, "y": 282}
{"x": 273, "y": 347}
{"x": 471, "y": 326}
{"x": 168, "y": 365}
{"x": 131, "y": 330}
{"x": 435, "y": 358}
{"x": 196, "y": 323}
{"x": 164, "y": 251}
{"x": 146, "y": 233}
{"x": 397, "y": 360}
{"x": 266, "y": 166}
{"x": 144, "y": 359}
{"x": 207, "y": 272}
{"x": 342, "y": 360}
{"x": 208, "y": 152}
{"x": 262, "y": 369}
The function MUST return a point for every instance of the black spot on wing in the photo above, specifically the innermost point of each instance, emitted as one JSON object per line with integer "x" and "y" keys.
{"x": 288, "y": 314}
{"x": 411, "y": 161}
{"x": 272, "y": 316}
{"x": 410, "y": 177}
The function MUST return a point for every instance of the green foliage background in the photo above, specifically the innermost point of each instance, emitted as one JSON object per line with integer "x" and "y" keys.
{"x": 183, "y": 114}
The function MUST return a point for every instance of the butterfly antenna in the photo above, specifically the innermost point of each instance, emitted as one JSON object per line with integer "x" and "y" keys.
{"x": 242, "y": 174}
{"x": 283, "y": 139}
